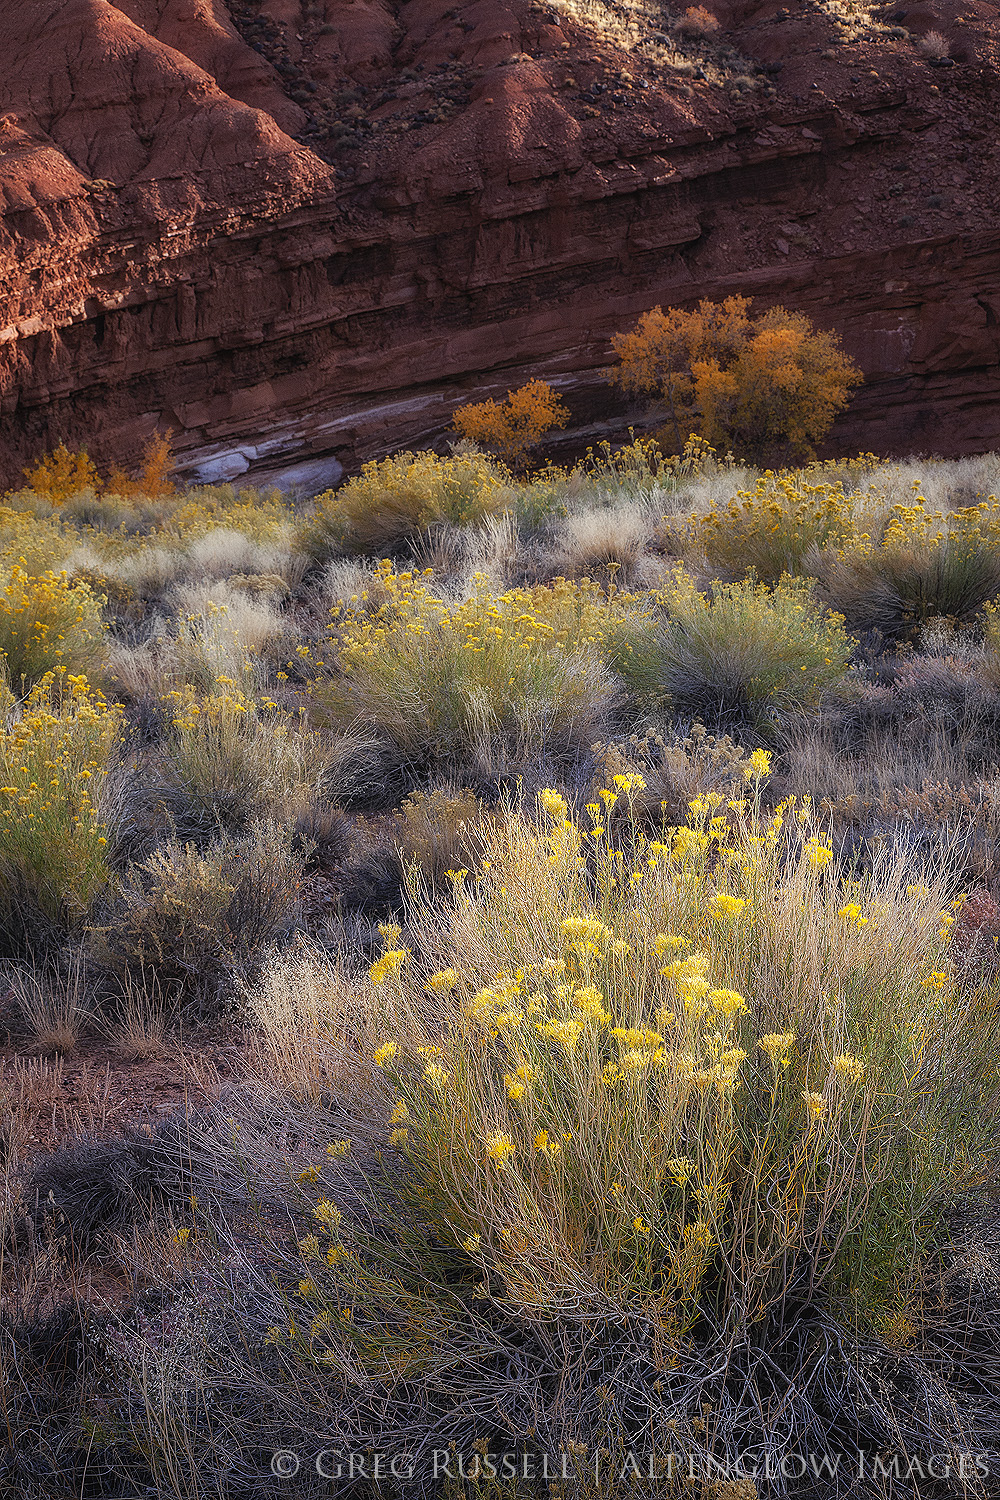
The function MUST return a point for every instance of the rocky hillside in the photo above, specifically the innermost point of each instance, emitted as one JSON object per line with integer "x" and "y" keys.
{"x": 298, "y": 232}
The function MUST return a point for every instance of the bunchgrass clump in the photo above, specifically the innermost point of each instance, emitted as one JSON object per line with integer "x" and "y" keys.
{"x": 923, "y": 565}
{"x": 231, "y": 759}
{"x": 743, "y": 654}
{"x": 441, "y": 679}
{"x": 392, "y": 502}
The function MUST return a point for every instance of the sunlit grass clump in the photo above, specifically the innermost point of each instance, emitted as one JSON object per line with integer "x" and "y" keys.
{"x": 438, "y": 677}
{"x": 913, "y": 565}
{"x": 743, "y": 652}
{"x": 395, "y": 500}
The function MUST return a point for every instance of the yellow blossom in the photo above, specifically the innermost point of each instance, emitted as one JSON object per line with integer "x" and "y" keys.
{"x": 727, "y": 1002}
{"x": 499, "y": 1147}
{"x": 585, "y": 930}
{"x": 815, "y": 1104}
{"x": 383, "y": 1053}
{"x": 817, "y": 853}
{"x": 543, "y": 1143}
{"x": 728, "y": 906}
{"x": 553, "y": 803}
{"x": 390, "y": 963}
{"x": 442, "y": 981}
{"x": 566, "y": 1033}
{"x": 328, "y": 1215}
{"x": 776, "y": 1044}
{"x": 851, "y": 1068}
{"x": 758, "y": 766}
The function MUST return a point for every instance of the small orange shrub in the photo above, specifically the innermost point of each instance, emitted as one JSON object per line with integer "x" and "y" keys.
{"x": 697, "y": 21}
{"x": 153, "y": 480}
{"x": 511, "y": 428}
{"x": 61, "y": 474}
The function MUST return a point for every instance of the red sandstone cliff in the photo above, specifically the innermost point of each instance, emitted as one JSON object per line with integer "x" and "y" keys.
{"x": 301, "y": 231}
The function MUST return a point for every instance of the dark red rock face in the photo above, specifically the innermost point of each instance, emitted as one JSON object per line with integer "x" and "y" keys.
{"x": 301, "y": 231}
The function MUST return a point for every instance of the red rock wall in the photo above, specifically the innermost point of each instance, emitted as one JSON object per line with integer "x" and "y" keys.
{"x": 171, "y": 256}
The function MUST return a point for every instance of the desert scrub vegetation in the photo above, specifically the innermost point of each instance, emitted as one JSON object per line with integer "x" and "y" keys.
{"x": 621, "y": 1120}
{"x": 442, "y": 679}
{"x": 392, "y": 502}
{"x": 587, "y": 884}
{"x": 923, "y": 565}
{"x": 45, "y": 622}
{"x": 744, "y": 654}
{"x": 55, "y": 754}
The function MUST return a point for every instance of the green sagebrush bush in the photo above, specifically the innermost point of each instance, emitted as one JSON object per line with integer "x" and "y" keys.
{"x": 189, "y": 920}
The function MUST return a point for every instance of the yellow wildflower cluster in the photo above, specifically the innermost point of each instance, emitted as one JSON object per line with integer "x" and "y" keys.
{"x": 53, "y": 761}
{"x": 389, "y": 964}
{"x": 771, "y": 527}
{"x": 607, "y": 1085}
{"x": 47, "y": 622}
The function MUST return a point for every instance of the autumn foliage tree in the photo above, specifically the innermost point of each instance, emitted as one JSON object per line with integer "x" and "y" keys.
{"x": 61, "y": 474}
{"x": 761, "y": 387}
{"x": 513, "y": 427}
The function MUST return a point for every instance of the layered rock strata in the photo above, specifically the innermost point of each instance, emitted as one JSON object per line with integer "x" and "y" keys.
{"x": 299, "y": 234}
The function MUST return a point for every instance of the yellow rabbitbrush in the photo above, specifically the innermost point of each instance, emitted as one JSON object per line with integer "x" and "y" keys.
{"x": 54, "y": 759}
{"x": 438, "y": 677}
{"x": 47, "y": 621}
{"x": 668, "y": 1080}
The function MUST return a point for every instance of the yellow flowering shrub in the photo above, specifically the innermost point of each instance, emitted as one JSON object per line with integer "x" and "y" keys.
{"x": 393, "y": 501}
{"x": 47, "y": 622}
{"x": 194, "y": 513}
{"x": 32, "y": 537}
{"x": 438, "y": 678}
{"x": 54, "y": 759}
{"x": 771, "y": 529}
{"x": 617, "y": 1122}
{"x": 916, "y": 564}
{"x": 235, "y": 757}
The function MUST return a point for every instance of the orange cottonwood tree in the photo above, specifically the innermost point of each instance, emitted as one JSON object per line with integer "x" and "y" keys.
{"x": 512, "y": 427}
{"x": 758, "y": 386}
